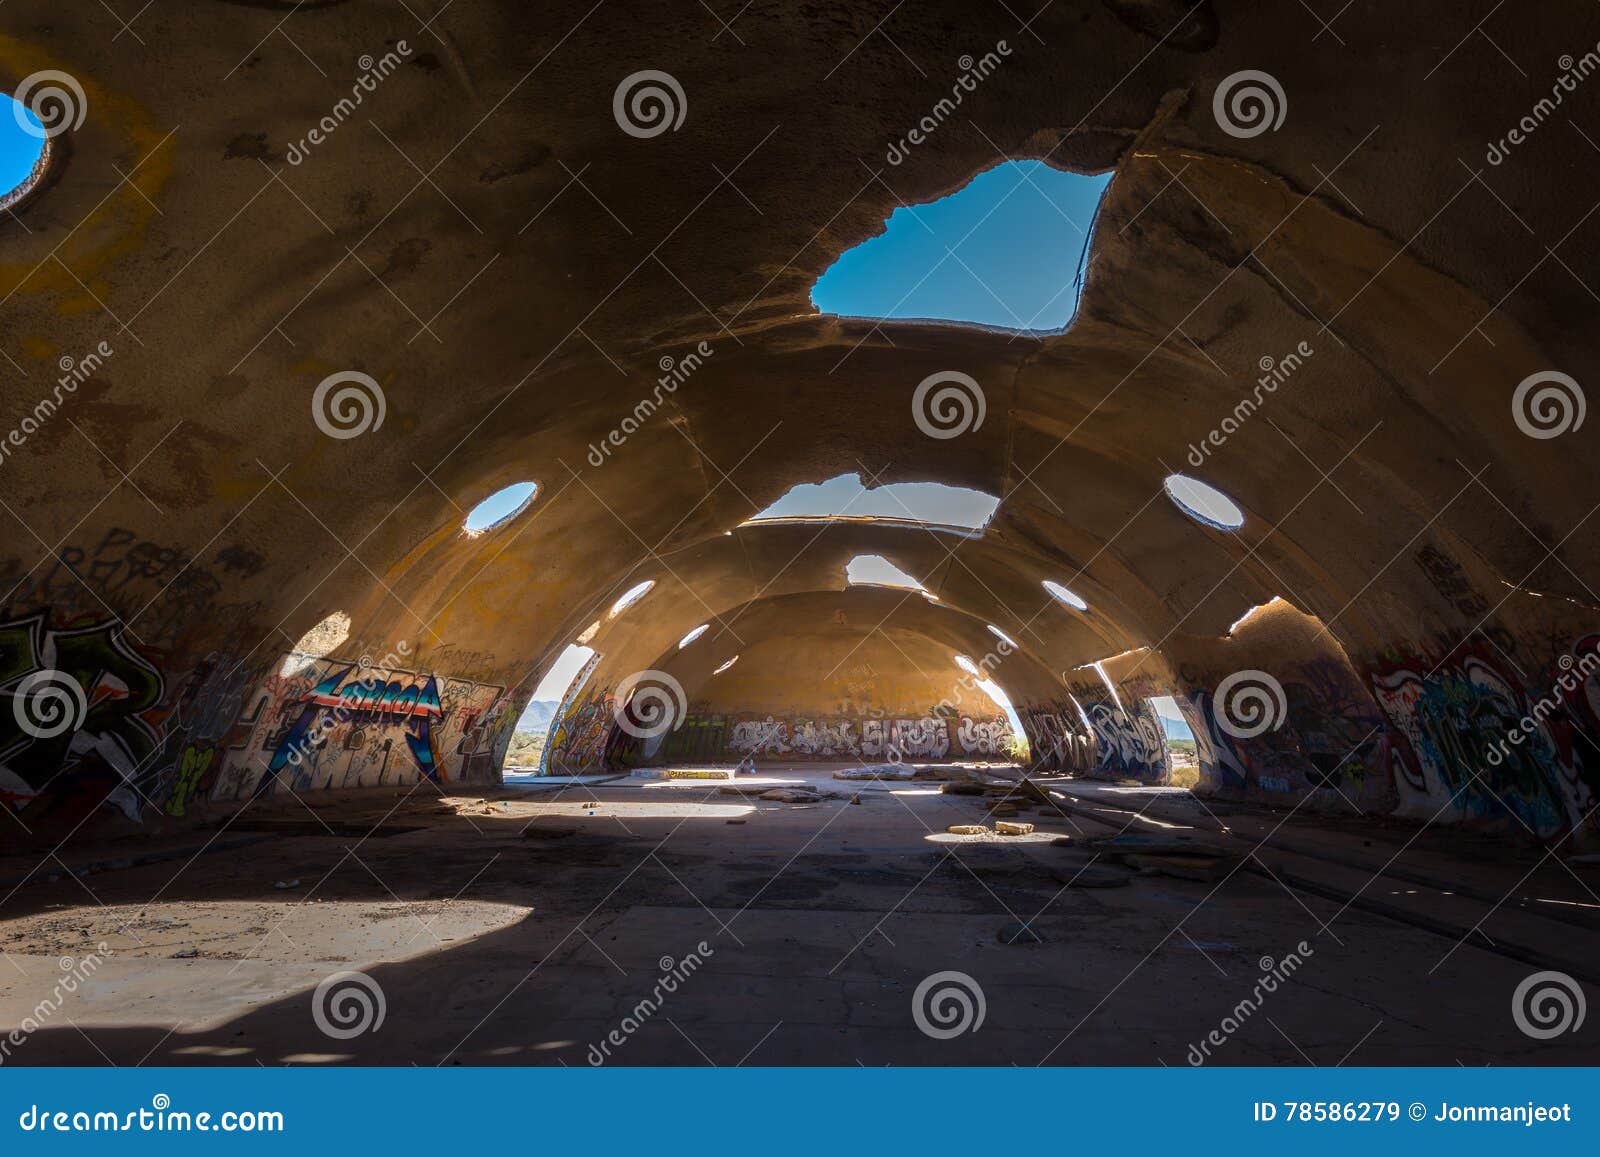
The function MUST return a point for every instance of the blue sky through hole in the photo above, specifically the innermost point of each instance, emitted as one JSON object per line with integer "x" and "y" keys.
{"x": 500, "y": 505}
{"x": 19, "y": 149}
{"x": 846, "y": 497}
{"x": 1003, "y": 251}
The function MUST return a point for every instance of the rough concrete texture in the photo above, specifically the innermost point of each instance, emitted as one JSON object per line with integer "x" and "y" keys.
{"x": 510, "y": 269}
{"x": 538, "y": 929}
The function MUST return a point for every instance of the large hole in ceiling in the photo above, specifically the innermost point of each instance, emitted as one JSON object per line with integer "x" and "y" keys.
{"x": 1006, "y": 250}
{"x": 873, "y": 570}
{"x": 929, "y": 503}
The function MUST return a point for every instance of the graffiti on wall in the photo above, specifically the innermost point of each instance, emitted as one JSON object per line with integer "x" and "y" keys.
{"x": 334, "y": 724}
{"x": 1132, "y": 742}
{"x": 82, "y": 717}
{"x": 587, "y": 739}
{"x": 1451, "y": 717}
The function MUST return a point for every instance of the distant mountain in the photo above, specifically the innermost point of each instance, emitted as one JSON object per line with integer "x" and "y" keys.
{"x": 539, "y": 715}
{"x": 1176, "y": 728}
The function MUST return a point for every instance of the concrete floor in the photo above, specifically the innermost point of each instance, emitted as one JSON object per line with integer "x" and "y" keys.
{"x": 492, "y": 945}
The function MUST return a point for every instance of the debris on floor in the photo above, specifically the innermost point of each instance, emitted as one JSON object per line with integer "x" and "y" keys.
{"x": 961, "y": 787}
{"x": 967, "y": 830}
{"x": 877, "y": 771}
{"x": 793, "y": 795}
{"x": 1010, "y": 828}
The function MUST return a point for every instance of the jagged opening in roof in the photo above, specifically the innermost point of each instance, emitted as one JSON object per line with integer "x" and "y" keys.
{"x": 1005, "y": 251}
{"x": 935, "y": 504}
{"x": 873, "y": 570}
{"x": 24, "y": 152}
{"x": 1274, "y": 601}
{"x": 501, "y": 506}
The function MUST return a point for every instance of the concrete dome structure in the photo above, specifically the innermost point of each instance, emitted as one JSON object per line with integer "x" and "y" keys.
{"x": 303, "y": 284}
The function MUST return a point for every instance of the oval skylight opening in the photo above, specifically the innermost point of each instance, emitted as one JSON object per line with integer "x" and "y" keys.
{"x": 1204, "y": 503}
{"x": 23, "y": 151}
{"x": 968, "y": 666}
{"x": 1002, "y": 636}
{"x": 317, "y": 643}
{"x": 501, "y": 506}
{"x": 1005, "y": 250}
{"x": 693, "y": 635}
{"x": 631, "y": 596}
{"x": 1062, "y": 594}
{"x": 726, "y": 665}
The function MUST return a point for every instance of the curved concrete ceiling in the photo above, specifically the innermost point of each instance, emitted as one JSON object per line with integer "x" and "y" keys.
{"x": 509, "y": 271}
